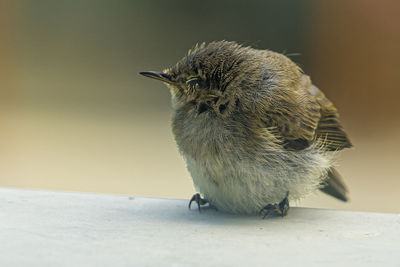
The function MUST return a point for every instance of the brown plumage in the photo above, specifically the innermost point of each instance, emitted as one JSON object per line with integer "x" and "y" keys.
{"x": 299, "y": 125}
{"x": 253, "y": 128}
{"x": 318, "y": 122}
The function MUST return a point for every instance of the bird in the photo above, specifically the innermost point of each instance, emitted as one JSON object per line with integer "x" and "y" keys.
{"x": 255, "y": 132}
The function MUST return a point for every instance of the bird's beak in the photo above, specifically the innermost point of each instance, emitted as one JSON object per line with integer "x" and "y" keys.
{"x": 158, "y": 76}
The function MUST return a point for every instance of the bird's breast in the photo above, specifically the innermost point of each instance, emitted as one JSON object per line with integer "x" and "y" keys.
{"x": 202, "y": 136}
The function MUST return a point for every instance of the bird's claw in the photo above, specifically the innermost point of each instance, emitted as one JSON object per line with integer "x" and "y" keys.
{"x": 280, "y": 209}
{"x": 197, "y": 198}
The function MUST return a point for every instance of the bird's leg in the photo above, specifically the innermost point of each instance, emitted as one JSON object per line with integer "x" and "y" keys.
{"x": 280, "y": 209}
{"x": 197, "y": 198}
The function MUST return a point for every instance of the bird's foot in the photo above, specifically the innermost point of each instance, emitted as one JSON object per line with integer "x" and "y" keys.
{"x": 279, "y": 209}
{"x": 200, "y": 201}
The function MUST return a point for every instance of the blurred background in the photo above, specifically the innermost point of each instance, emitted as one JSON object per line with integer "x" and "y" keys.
{"x": 76, "y": 116}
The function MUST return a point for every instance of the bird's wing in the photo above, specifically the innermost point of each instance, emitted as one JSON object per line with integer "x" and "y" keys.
{"x": 317, "y": 118}
{"x": 305, "y": 116}
{"x": 329, "y": 128}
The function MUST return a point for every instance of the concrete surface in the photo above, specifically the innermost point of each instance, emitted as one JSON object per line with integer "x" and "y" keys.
{"x": 46, "y": 228}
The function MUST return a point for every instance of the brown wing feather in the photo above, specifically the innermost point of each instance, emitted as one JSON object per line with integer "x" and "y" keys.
{"x": 329, "y": 127}
{"x": 318, "y": 120}
{"x": 294, "y": 115}
{"x": 305, "y": 116}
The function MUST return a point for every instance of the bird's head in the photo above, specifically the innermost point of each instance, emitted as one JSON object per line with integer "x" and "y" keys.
{"x": 215, "y": 78}
{"x": 211, "y": 78}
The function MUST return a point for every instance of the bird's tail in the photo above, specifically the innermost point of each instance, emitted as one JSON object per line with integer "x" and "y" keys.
{"x": 334, "y": 185}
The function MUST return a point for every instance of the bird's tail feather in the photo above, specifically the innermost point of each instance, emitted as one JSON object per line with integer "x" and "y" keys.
{"x": 335, "y": 186}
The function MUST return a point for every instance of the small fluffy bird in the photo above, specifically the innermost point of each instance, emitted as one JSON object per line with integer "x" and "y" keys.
{"x": 253, "y": 129}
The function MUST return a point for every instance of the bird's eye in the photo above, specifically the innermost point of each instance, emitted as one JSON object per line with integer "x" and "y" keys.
{"x": 193, "y": 83}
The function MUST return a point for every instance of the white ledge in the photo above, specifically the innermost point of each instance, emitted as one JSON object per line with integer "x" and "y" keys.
{"x": 45, "y": 228}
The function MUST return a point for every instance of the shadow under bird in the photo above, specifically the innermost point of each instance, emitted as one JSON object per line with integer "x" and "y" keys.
{"x": 253, "y": 129}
